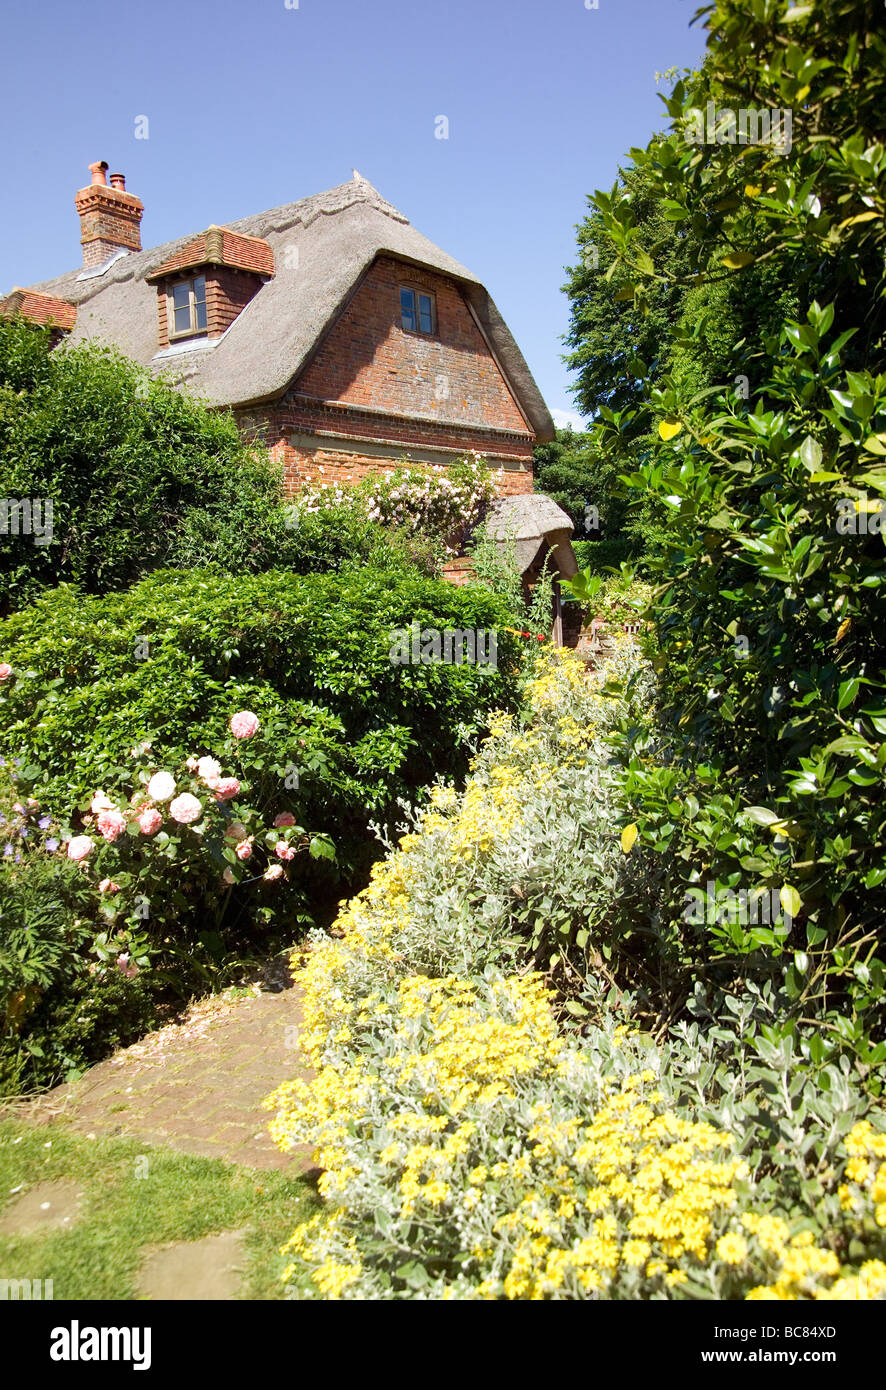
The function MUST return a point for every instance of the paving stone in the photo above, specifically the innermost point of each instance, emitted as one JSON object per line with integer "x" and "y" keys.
{"x": 210, "y": 1268}
{"x": 45, "y": 1207}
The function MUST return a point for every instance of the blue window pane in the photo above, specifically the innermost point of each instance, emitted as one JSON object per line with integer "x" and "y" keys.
{"x": 425, "y": 313}
{"x": 200, "y": 302}
{"x": 182, "y": 318}
{"x": 180, "y": 295}
{"x": 407, "y": 309}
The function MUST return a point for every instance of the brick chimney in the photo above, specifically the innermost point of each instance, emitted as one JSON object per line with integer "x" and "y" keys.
{"x": 109, "y": 217}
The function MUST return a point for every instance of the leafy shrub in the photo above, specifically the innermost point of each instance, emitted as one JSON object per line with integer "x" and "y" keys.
{"x": 253, "y": 534}
{"x": 170, "y": 660}
{"x": 126, "y": 461}
{"x": 764, "y": 763}
{"x": 527, "y": 858}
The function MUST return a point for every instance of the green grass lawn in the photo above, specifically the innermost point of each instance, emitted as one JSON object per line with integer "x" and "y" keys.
{"x": 136, "y": 1197}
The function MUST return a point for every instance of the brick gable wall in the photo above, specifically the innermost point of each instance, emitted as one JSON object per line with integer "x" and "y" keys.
{"x": 373, "y": 392}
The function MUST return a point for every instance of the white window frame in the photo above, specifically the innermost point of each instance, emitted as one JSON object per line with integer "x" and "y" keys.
{"x": 191, "y": 331}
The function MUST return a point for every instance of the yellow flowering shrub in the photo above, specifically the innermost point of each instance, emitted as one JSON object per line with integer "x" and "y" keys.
{"x": 473, "y": 1149}
{"x": 516, "y": 1163}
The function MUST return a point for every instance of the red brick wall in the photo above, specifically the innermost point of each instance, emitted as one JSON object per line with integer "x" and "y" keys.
{"x": 227, "y": 292}
{"x": 370, "y": 380}
{"x": 368, "y": 359}
{"x": 317, "y": 461}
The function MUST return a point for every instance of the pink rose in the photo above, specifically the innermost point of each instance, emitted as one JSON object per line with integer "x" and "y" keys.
{"x": 80, "y": 847}
{"x": 161, "y": 786}
{"x": 192, "y": 764}
{"x": 244, "y": 849}
{"x": 236, "y": 831}
{"x": 283, "y": 850}
{"x": 108, "y": 885}
{"x": 185, "y": 809}
{"x": 244, "y": 724}
{"x": 284, "y": 818}
{"x": 208, "y": 767}
{"x": 150, "y": 820}
{"x": 101, "y": 803}
{"x": 111, "y": 824}
{"x": 273, "y": 871}
{"x": 125, "y": 966}
{"x": 228, "y": 875}
{"x": 5, "y": 670}
{"x": 226, "y": 788}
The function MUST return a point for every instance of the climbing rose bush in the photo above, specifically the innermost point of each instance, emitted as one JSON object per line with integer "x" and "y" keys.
{"x": 430, "y": 501}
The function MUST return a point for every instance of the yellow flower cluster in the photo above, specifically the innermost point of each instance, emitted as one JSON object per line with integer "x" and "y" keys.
{"x": 651, "y": 1181}
{"x": 805, "y": 1270}
{"x": 866, "y": 1177}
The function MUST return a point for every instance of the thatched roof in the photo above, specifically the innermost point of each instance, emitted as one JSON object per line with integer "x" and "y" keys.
{"x": 532, "y": 522}
{"x": 321, "y": 246}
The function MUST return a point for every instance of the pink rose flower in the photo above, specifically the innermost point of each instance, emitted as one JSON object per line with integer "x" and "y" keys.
{"x": 226, "y": 788}
{"x": 5, "y": 670}
{"x": 126, "y": 966}
{"x": 208, "y": 767}
{"x": 185, "y": 809}
{"x": 284, "y": 818}
{"x": 111, "y": 824}
{"x": 80, "y": 847}
{"x": 244, "y": 724}
{"x": 150, "y": 820}
{"x": 228, "y": 875}
{"x": 236, "y": 831}
{"x": 192, "y": 764}
{"x": 100, "y": 802}
{"x": 161, "y": 786}
{"x": 108, "y": 885}
{"x": 273, "y": 871}
{"x": 283, "y": 850}
{"x": 244, "y": 849}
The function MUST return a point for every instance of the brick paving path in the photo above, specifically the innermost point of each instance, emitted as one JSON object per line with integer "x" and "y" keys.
{"x": 196, "y": 1088}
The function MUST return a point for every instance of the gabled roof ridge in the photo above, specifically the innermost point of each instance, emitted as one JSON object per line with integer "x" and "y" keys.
{"x": 303, "y": 210}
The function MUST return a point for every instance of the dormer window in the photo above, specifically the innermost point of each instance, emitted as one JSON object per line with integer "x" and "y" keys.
{"x": 418, "y": 312}
{"x": 186, "y": 307}
{"x": 204, "y": 285}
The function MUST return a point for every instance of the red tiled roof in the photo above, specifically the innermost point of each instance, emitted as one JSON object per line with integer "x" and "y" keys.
{"x": 40, "y": 308}
{"x": 218, "y": 246}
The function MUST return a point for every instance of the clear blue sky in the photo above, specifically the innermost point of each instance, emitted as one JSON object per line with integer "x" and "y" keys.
{"x": 251, "y": 104}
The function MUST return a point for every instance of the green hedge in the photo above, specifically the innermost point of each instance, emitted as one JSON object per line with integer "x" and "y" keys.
{"x": 172, "y": 658}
